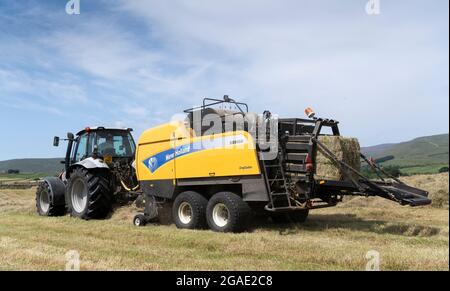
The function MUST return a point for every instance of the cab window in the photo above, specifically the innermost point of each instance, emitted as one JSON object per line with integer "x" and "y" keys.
{"x": 81, "y": 151}
{"x": 115, "y": 144}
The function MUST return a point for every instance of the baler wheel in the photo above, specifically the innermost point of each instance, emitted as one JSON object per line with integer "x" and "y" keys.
{"x": 188, "y": 210}
{"x": 227, "y": 212}
{"x": 140, "y": 220}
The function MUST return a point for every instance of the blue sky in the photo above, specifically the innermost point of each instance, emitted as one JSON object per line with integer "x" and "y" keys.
{"x": 136, "y": 63}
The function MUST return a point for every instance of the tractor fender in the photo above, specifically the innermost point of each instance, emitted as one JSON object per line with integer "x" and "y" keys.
{"x": 88, "y": 163}
{"x": 57, "y": 190}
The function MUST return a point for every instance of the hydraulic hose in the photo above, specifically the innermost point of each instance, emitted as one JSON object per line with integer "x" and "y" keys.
{"x": 127, "y": 188}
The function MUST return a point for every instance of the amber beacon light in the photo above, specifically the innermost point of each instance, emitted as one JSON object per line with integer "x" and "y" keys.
{"x": 310, "y": 112}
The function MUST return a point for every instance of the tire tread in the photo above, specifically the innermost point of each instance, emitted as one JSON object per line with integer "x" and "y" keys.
{"x": 99, "y": 194}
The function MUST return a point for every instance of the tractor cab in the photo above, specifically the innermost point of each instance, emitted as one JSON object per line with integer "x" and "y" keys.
{"x": 107, "y": 144}
{"x": 104, "y": 143}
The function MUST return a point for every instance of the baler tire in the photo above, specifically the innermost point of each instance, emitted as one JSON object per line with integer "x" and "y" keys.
{"x": 98, "y": 194}
{"x": 139, "y": 220}
{"x": 238, "y": 212}
{"x": 191, "y": 204}
{"x": 44, "y": 196}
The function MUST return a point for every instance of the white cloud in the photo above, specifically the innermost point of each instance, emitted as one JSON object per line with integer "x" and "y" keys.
{"x": 287, "y": 55}
{"x": 101, "y": 50}
{"x": 29, "y": 106}
{"x": 372, "y": 73}
{"x": 50, "y": 90}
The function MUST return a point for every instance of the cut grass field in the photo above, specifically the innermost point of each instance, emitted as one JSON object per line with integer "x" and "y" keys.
{"x": 331, "y": 239}
{"x": 20, "y": 177}
{"x": 422, "y": 170}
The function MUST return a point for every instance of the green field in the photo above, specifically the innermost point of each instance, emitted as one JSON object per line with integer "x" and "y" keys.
{"x": 49, "y": 166}
{"x": 21, "y": 177}
{"x": 420, "y": 170}
{"x": 423, "y": 155}
{"x": 331, "y": 239}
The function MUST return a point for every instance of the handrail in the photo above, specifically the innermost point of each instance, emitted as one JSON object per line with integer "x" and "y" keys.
{"x": 215, "y": 102}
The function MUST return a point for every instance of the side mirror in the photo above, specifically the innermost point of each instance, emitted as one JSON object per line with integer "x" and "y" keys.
{"x": 56, "y": 141}
{"x": 70, "y": 136}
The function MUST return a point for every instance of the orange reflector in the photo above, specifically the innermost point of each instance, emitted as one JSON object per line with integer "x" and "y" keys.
{"x": 310, "y": 112}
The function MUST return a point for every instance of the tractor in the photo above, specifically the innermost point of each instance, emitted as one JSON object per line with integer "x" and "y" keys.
{"x": 99, "y": 171}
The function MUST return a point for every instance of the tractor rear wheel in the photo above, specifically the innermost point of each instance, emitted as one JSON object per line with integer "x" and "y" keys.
{"x": 89, "y": 194}
{"x": 227, "y": 212}
{"x": 45, "y": 201}
{"x": 188, "y": 210}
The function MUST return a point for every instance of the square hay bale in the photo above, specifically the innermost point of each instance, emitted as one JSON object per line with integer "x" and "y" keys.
{"x": 345, "y": 149}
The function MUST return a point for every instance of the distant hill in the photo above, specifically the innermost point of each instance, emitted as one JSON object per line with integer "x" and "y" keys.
{"x": 421, "y": 155}
{"x": 49, "y": 166}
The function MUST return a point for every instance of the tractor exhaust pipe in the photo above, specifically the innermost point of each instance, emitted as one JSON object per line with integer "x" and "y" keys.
{"x": 70, "y": 138}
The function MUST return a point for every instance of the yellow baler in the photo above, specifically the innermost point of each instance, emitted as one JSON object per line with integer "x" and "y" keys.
{"x": 218, "y": 179}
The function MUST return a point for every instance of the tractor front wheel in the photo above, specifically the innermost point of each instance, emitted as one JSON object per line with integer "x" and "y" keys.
{"x": 46, "y": 200}
{"x": 89, "y": 194}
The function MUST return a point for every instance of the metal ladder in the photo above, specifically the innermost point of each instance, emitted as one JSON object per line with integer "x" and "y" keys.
{"x": 275, "y": 198}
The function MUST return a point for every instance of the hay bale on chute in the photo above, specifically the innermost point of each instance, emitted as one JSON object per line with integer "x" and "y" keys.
{"x": 345, "y": 149}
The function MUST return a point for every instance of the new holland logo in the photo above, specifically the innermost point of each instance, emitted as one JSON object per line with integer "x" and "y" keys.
{"x": 152, "y": 163}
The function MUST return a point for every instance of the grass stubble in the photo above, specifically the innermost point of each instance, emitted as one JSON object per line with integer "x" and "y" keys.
{"x": 332, "y": 239}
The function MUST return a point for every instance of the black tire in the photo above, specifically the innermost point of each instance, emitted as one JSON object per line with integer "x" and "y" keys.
{"x": 97, "y": 193}
{"x": 188, "y": 210}
{"x": 45, "y": 205}
{"x": 230, "y": 209}
{"x": 140, "y": 220}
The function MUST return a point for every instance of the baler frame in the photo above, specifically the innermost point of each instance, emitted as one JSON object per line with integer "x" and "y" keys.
{"x": 392, "y": 189}
{"x": 282, "y": 186}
